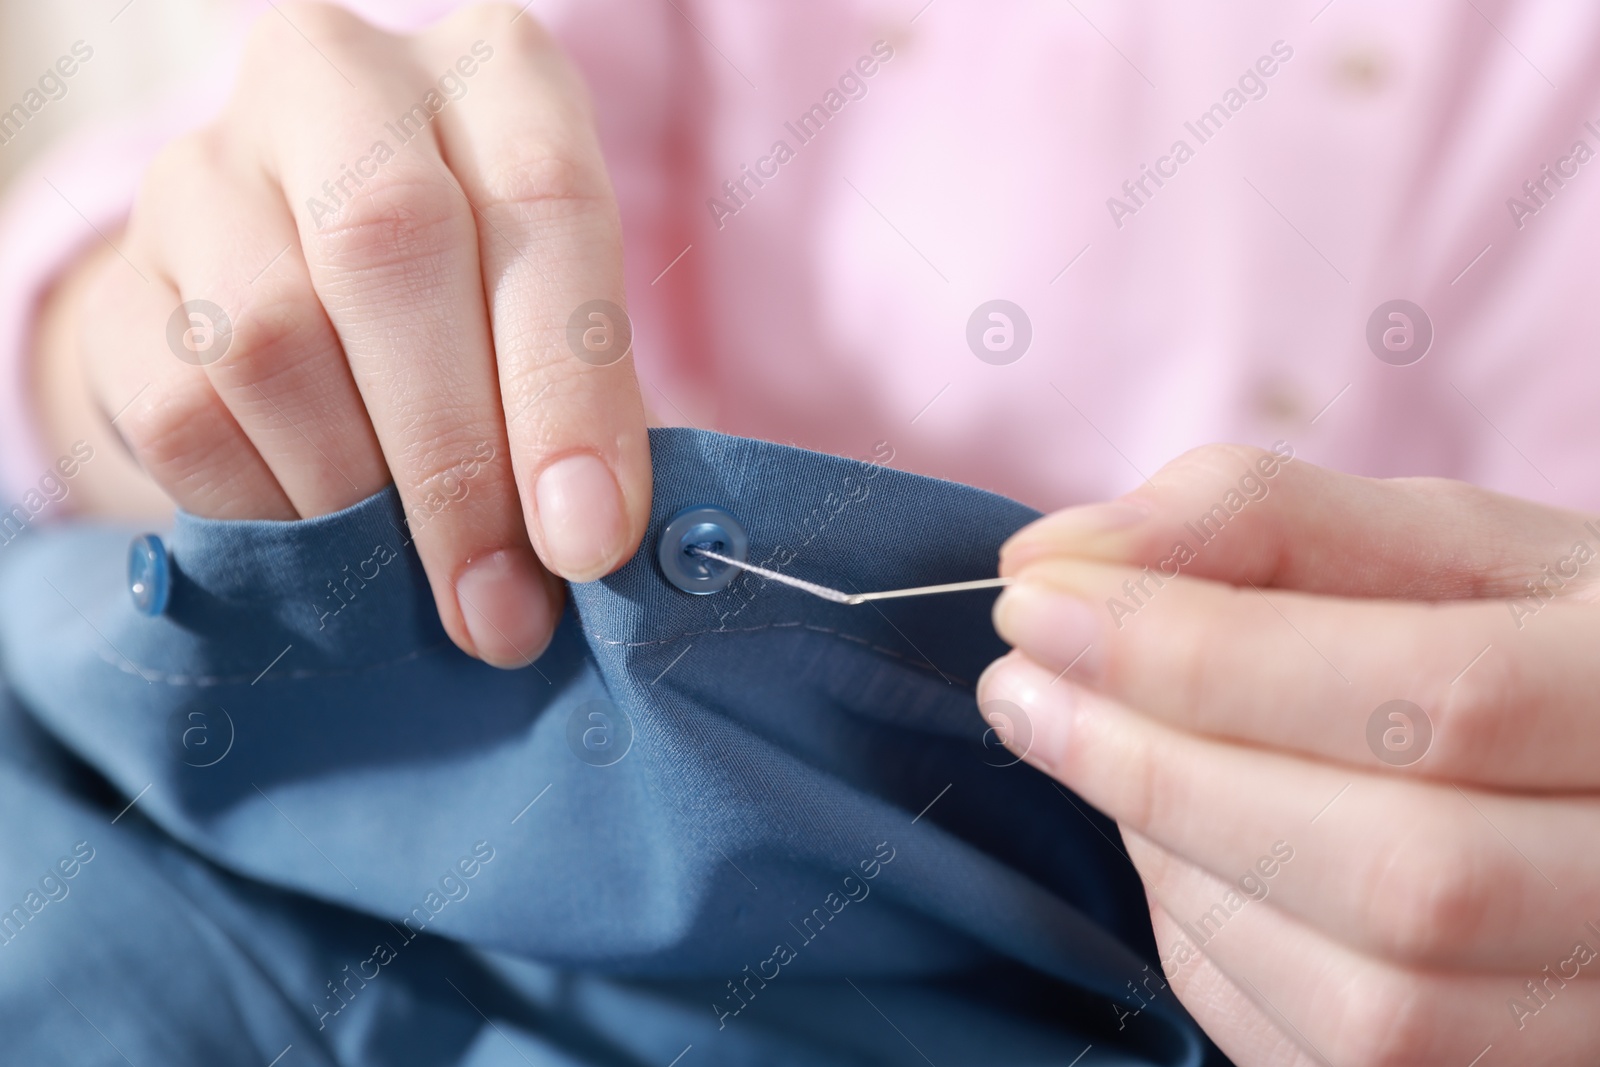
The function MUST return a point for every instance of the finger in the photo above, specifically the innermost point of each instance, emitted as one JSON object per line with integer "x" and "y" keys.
{"x": 1505, "y": 700}
{"x": 223, "y": 231}
{"x": 522, "y": 143}
{"x": 1404, "y": 870}
{"x": 1249, "y": 516}
{"x": 1343, "y": 1007}
{"x": 393, "y": 257}
{"x": 71, "y": 413}
{"x": 1238, "y": 1025}
{"x": 165, "y": 410}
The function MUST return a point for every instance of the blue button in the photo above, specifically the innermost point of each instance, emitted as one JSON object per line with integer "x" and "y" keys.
{"x": 149, "y": 574}
{"x": 706, "y": 527}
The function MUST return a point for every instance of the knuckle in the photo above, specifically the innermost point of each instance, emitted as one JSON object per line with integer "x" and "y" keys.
{"x": 1215, "y": 464}
{"x": 1212, "y": 486}
{"x": 314, "y": 15}
{"x": 516, "y": 30}
{"x": 181, "y": 158}
{"x": 181, "y": 171}
{"x": 444, "y": 472}
{"x": 1445, "y": 491}
{"x": 531, "y": 393}
{"x": 1202, "y": 655}
{"x": 398, "y": 221}
{"x": 436, "y": 456}
{"x": 1388, "y": 1019}
{"x": 550, "y": 176}
{"x": 1430, "y": 897}
{"x": 170, "y": 428}
{"x": 1472, "y": 725}
{"x": 1148, "y": 796}
{"x": 293, "y": 22}
{"x": 517, "y": 27}
{"x": 1158, "y": 869}
{"x": 276, "y": 332}
{"x": 1464, "y": 574}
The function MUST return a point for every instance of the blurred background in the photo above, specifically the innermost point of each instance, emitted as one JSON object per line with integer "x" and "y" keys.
{"x": 138, "y": 62}
{"x": 833, "y": 312}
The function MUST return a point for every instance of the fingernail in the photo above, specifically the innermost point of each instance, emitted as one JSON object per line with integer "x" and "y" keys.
{"x": 1057, "y": 629}
{"x": 507, "y": 607}
{"x": 1081, "y": 530}
{"x": 580, "y": 517}
{"x": 1035, "y": 708}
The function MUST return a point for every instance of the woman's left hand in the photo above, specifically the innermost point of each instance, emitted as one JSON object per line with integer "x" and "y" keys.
{"x": 1351, "y": 732}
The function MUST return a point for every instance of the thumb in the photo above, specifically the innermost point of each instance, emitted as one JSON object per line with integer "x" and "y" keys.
{"x": 1245, "y": 515}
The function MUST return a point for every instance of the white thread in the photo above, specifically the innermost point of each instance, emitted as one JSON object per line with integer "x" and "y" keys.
{"x": 839, "y": 597}
{"x": 799, "y": 583}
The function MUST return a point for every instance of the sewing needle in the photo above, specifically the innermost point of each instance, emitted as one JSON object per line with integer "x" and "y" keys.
{"x": 840, "y": 597}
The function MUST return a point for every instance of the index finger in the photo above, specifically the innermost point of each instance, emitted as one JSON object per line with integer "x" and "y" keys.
{"x": 1484, "y": 701}
{"x": 522, "y": 143}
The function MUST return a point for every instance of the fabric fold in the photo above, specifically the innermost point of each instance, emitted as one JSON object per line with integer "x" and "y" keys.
{"x": 750, "y": 799}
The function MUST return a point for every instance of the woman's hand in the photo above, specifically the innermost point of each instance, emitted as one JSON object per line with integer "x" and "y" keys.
{"x": 392, "y": 258}
{"x": 1351, "y": 732}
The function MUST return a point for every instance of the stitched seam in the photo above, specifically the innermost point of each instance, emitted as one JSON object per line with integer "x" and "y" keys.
{"x": 150, "y": 674}
{"x": 209, "y": 680}
{"x": 824, "y": 630}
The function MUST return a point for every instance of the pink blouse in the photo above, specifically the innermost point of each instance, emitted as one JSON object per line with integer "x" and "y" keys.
{"x": 1358, "y": 227}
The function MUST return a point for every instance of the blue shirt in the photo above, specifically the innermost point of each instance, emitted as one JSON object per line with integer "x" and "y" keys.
{"x": 749, "y": 827}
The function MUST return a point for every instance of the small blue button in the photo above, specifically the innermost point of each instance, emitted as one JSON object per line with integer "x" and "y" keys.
{"x": 707, "y": 527}
{"x": 149, "y": 574}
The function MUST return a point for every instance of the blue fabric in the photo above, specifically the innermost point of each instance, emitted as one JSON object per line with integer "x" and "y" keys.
{"x": 754, "y": 825}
